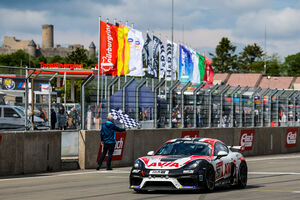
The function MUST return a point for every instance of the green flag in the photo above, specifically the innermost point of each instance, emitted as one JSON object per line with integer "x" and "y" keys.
{"x": 201, "y": 66}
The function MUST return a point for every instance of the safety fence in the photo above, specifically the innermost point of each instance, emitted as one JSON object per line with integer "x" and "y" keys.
{"x": 156, "y": 103}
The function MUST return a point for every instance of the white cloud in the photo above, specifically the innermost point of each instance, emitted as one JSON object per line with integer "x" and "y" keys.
{"x": 281, "y": 24}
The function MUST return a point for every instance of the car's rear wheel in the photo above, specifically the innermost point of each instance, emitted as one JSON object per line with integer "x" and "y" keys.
{"x": 243, "y": 175}
{"x": 209, "y": 179}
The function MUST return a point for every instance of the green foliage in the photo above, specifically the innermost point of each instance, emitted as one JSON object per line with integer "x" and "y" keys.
{"x": 292, "y": 65}
{"x": 78, "y": 56}
{"x": 224, "y": 59}
{"x": 250, "y": 58}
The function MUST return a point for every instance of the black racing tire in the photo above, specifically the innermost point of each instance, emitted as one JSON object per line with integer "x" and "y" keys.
{"x": 209, "y": 182}
{"x": 243, "y": 175}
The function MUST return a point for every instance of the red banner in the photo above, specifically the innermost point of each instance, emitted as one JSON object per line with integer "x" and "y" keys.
{"x": 209, "y": 72}
{"x": 189, "y": 134}
{"x": 109, "y": 48}
{"x": 291, "y": 137}
{"x": 119, "y": 148}
{"x": 247, "y": 139}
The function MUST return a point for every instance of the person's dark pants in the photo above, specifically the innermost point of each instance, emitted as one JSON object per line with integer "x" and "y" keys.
{"x": 53, "y": 126}
{"x": 110, "y": 148}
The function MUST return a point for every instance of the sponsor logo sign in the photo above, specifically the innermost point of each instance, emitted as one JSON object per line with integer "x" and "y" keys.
{"x": 9, "y": 84}
{"x": 291, "y": 137}
{"x": 119, "y": 147}
{"x": 247, "y": 139}
{"x": 189, "y": 134}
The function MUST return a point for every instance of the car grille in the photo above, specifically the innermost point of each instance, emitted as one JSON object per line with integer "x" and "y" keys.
{"x": 159, "y": 184}
{"x": 187, "y": 181}
{"x": 136, "y": 181}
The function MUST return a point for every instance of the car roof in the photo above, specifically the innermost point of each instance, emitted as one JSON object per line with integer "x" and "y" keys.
{"x": 207, "y": 140}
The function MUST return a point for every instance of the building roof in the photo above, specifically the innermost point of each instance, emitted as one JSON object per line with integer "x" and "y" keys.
{"x": 92, "y": 45}
{"x": 244, "y": 80}
{"x": 32, "y": 44}
{"x": 220, "y": 78}
{"x": 276, "y": 82}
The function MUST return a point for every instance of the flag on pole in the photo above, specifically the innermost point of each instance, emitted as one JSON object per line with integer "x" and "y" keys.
{"x": 185, "y": 64}
{"x": 209, "y": 73}
{"x": 162, "y": 60}
{"x": 108, "y": 48}
{"x": 201, "y": 66}
{"x": 123, "y": 50}
{"x": 169, "y": 61}
{"x": 196, "y": 72}
{"x": 136, "y": 43}
{"x": 152, "y": 72}
{"x": 146, "y": 48}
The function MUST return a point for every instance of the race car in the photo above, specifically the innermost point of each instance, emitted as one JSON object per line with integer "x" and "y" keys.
{"x": 190, "y": 164}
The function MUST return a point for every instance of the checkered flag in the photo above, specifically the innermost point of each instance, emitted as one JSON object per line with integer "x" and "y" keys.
{"x": 123, "y": 118}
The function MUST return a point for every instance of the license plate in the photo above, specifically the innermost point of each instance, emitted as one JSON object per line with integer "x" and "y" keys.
{"x": 163, "y": 172}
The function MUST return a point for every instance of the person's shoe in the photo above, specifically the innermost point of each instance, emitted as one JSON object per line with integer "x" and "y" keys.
{"x": 98, "y": 168}
{"x": 109, "y": 169}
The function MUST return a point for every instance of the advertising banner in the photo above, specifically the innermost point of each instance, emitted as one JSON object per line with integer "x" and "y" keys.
{"x": 189, "y": 134}
{"x": 291, "y": 137}
{"x": 185, "y": 64}
{"x": 119, "y": 148}
{"x": 247, "y": 139}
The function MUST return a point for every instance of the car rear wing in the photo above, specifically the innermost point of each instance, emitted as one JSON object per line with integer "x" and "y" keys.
{"x": 239, "y": 148}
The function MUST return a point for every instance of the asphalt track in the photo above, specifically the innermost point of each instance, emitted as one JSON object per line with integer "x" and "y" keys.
{"x": 270, "y": 177}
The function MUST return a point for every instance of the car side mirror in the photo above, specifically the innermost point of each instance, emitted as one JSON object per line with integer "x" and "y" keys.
{"x": 150, "y": 153}
{"x": 222, "y": 154}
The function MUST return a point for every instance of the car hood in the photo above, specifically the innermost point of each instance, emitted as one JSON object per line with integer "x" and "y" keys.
{"x": 170, "y": 161}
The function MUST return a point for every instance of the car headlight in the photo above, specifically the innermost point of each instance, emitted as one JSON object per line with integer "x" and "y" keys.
{"x": 192, "y": 165}
{"x": 138, "y": 164}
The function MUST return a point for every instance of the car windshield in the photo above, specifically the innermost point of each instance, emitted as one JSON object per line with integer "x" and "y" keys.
{"x": 185, "y": 148}
{"x": 20, "y": 110}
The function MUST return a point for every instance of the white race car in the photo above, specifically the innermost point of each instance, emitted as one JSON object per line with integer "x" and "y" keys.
{"x": 190, "y": 164}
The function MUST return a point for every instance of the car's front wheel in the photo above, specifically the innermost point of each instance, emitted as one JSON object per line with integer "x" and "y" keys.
{"x": 209, "y": 179}
{"x": 243, "y": 175}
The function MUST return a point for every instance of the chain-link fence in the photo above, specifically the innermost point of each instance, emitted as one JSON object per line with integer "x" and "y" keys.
{"x": 159, "y": 104}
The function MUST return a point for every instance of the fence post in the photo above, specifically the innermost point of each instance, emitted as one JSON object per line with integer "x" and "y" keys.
{"x": 195, "y": 101}
{"x": 182, "y": 102}
{"x": 287, "y": 105}
{"x": 157, "y": 86}
{"x": 270, "y": 106}
{"x": 209, "y": 104}
{"x": 232, "y": 111}
{"x": 171, "y": 102}
{"x": 262, "y": 105}
{"x": 253, "y": 104}
{"x": 109, "y": 87}
{"x": 241, "y": 109}
{"x": 143, "y": 81}
{"x": 227, "y": 87}
{"x": 124, "y": 93}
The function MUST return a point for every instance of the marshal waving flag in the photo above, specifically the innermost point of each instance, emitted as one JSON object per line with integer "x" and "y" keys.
{"x": 185, "y": 64}
{"x": 209, "y": 72}
{"x": 108, "y": 48}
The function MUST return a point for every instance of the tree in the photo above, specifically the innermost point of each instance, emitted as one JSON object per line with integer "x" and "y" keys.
{"x": 225, "y": 60}
{"x": 250, "y": 55}
{"x": 292, "y": 64}
{"x": 78, "y": 56}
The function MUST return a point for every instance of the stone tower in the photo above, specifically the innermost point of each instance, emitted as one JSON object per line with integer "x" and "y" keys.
{"x": 47, "y": 36}
{"x": 32, "y": 48}
{"x": 92, "y": 50}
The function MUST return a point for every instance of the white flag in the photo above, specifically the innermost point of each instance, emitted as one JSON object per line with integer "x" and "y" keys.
{"x": 196, "y": 72}
{"x": 136, "y": 43}
{"x": 169, "y": 61}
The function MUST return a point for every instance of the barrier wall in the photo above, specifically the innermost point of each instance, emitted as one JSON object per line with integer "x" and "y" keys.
{"x": 30, "y": 152}
{"x": 139, "y": 142}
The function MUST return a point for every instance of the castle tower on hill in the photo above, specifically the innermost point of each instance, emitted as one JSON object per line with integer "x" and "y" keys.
{"x": 47, "y": 36}
{"x": 47, "y": 49}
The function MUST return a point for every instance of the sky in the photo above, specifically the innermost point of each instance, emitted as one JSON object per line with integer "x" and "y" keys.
{"x": 199, "y": 24}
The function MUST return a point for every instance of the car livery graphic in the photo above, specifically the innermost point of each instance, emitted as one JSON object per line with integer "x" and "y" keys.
{"x": 190, "y": 164}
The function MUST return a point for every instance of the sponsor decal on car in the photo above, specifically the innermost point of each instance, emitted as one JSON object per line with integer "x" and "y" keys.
{"x": 189, "y": 134}
{"x": 164, "y": 164}
{"x": 247, "y": 139}
{"x": 119, "y": 147}
{"x": 291, "y": 137}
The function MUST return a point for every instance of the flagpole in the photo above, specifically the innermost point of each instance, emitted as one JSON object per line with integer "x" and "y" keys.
{"x": 172, "y": 45}
{"x": 99, "y": 49}
{"x": 65, "y": 83}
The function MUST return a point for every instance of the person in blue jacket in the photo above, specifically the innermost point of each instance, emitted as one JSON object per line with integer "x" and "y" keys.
{"x": 108, "y": 140}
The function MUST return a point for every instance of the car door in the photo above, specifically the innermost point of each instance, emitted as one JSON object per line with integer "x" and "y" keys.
{"x": 223, "y": 164}
{"x": 12, "y": 119}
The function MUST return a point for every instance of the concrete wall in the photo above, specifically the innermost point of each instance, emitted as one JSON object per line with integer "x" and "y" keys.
{"x": 30, "y": 152}
{"x": 139, "y": 142}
